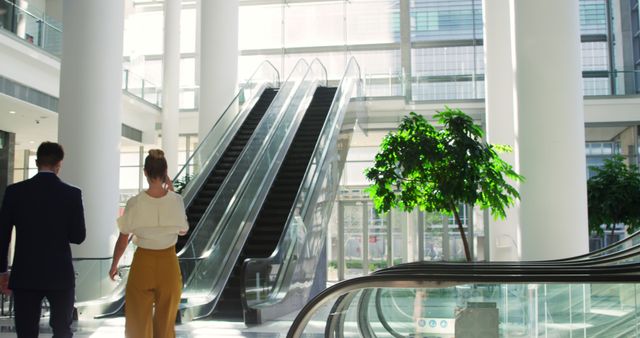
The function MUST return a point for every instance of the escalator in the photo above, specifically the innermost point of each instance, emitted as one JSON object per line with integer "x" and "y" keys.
{"x": 214, "y": 180}
{"x": 596, "y": 297}
{"x": 272, "y": 217}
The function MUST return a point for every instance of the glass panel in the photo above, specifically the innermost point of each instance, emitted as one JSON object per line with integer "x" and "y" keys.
{"x": 433, "y": 233}
{"x": 446, "y": 20}
{"x": 372, "y": 21}
{"x": 315, "y": 24}
{"x": 260, "y": 27}
{"x": 129, "y": 178}
{"x": 187, "y": 31}
{"x": 353, "y": 256}
{"x": 479, "y": 310}
{"x": 52, "y": 39}
{"x": 334, "y": 62}
{"x": 595, "y": 56}
{"x": 378, "y": 239}
{"x": 382, "y": 72}
{"x": 447, "y": 73}
{"x": 593, "y": 17}
{"x": 140, "y": 33}
{"x": 596, "y": 86}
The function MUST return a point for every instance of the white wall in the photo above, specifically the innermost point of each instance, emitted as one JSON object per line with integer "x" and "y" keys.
{"x": 27, "y": 65}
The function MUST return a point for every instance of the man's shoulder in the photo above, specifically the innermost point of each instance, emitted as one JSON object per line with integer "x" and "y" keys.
{"x": 17, "y": 186}
{"x": 70, "y": 187}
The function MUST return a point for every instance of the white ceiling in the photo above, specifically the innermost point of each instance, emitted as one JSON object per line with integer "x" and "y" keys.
{"x": 31, "y": 124}
{"x": 34, "y": 125}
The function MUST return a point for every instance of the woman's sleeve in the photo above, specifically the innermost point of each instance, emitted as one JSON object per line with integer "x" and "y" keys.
{"x": 124, "y": 221}
{"x": 184, "y": 226}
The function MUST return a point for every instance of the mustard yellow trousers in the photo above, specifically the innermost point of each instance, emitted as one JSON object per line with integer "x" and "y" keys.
{"x": 153, "y": 294}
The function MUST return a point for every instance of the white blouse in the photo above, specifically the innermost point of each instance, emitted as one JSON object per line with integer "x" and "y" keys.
{"x": 154, "y": 222}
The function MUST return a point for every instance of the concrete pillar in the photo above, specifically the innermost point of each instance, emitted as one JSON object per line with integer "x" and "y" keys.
{"x": 499, "y": 116}
{"x": 218, "y": 60}
{"x": 89, "y": 122}
{"x": 171, "y": 84}
{"x": 550, "y": 128}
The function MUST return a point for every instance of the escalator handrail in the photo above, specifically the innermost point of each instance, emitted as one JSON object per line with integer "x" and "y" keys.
{"x": 628, "y": 274}
{"x": 238, "y": 233}
{"x": 277, "y": 112}
{"x": 187, "y": 191}
{"x": 615, "y": 258}
{"x": 297, "y": 224}
{"x": 601, "y": 251}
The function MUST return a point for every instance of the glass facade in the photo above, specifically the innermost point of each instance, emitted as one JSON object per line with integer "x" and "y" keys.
{"x": 635, "y": 31}
{"x": 443, "y": 41}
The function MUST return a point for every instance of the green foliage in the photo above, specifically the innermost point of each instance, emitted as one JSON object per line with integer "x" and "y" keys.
{"x": 614, "y": 196}
{"x": 438, "y": 169}
{"x": 180, "y": 183}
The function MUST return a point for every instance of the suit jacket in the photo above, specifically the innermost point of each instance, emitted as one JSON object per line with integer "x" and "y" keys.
{"x": 47, "y": 215}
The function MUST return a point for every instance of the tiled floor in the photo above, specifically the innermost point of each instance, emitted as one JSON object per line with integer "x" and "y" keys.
{"x": 114, "y": 328}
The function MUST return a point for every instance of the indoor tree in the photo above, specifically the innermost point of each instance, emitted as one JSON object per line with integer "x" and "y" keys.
{"x": 613, "y": 195}
{"x": 439, "y": 170}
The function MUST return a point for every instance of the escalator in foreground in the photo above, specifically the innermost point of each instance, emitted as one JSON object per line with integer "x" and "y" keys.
{"x": 526, "y": 299}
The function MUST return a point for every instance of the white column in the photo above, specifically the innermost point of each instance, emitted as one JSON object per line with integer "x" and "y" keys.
{"x": 499, "y": 116}
{"x": 550, "y": 128}
{"x": 171, "y": 84}
{"x": 89, "y": 121}
{"x": 218, "y": 60}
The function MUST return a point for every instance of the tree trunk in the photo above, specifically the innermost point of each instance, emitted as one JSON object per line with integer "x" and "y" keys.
{"x": 613, "y": 228}
{"x": 467, "y": 253}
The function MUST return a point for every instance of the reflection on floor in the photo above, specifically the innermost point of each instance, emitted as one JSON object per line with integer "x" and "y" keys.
{"x": 114, "y": 328}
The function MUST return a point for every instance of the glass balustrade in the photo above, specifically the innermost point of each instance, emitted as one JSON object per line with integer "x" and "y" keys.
{"x": 294, "y": 262}
{"x": 412, "y": 308}
{"x": 30, "y": 24}
{"x": 143, "y": 89}
{"x": 226, "y": 222}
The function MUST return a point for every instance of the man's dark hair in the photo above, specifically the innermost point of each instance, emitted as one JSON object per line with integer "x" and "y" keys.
{"x": 49, "y": 154}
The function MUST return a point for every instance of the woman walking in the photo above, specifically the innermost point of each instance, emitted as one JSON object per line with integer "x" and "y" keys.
{"x": 153, "y": 219}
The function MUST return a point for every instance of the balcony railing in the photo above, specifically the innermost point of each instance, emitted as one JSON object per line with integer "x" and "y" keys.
{"x": 427, "y": 87}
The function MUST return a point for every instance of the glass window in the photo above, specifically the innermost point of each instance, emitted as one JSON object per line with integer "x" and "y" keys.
{"x": 595, "y": 56}
{"x": 141, "y": 33}
{"x": 187, "y": 72}
{"x": 130, "y": 159}
{"x": 593, "y": 16}
{"x": 129, "y": 178}
{"x": 446, "y": 20}
{"x": 260, "y": 27}
{"x": 188, "y": 30}
{"x": 447, "y": 73}
{"x": 314, "y": 24}
{"x": 372, "y": 21}
{"x": 334, "y": 62}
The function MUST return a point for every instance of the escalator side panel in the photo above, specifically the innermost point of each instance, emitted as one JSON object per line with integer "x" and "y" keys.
{"x": 210, "y": 187}
{"x": 273, "y": 214}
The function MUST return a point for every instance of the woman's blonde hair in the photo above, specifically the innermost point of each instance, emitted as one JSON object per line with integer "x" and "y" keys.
{"x": 155, "y": 165}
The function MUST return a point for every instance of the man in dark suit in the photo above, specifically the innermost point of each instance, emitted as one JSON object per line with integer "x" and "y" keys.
{"x": 47, "y": 215}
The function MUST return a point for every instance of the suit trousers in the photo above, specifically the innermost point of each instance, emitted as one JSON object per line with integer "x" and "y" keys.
{"x": 27, "y": 306}
{"x": 153, "y": 294}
